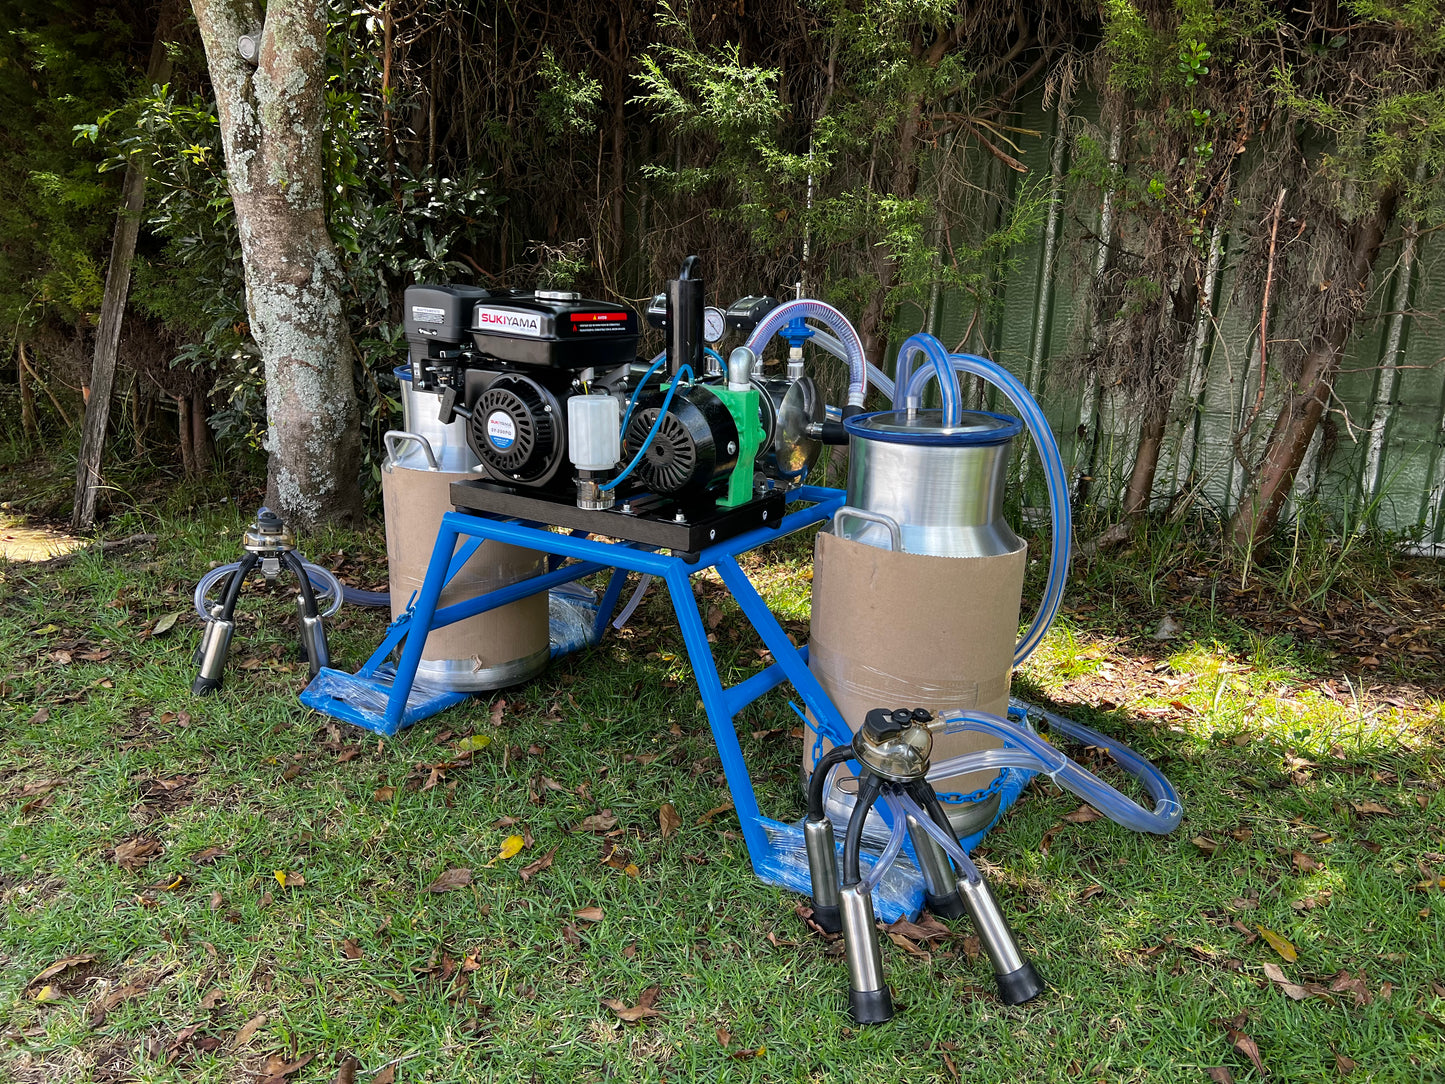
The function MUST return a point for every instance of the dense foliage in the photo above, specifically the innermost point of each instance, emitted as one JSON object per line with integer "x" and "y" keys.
{"x": 833, "y": 146}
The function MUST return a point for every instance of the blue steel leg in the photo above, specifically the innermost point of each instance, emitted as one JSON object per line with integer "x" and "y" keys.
{"x": 793, "y": 664}
{"x": 402, "y": 622}
{"x": 425, "y": 608}
{"x": 615, "y": 583}
{"x": 724, "y": 733}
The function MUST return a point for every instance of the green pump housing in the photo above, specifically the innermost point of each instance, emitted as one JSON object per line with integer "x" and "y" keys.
{"x": 746, "y": 412}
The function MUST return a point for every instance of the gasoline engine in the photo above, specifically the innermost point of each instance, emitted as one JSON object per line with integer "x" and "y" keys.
{"x": 559, "y": 409}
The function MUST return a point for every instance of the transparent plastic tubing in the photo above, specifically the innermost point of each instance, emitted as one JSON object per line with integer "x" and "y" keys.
{"x": 909, "y": 387}
{"x": 323, "y": 578}
{"x": 895, "y": 842}
{"x": 835, "y": 322}
{"x": 1023, "y": 748}
{"x": 942, "y": 370}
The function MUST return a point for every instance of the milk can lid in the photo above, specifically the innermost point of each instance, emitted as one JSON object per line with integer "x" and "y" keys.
{"x": 976, "y": 428}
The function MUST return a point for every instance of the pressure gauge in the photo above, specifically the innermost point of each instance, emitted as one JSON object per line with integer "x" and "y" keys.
{"x": 714, "y": 326}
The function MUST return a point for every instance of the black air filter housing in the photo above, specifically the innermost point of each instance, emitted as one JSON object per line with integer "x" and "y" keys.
{"x": 555, "y": 329}
{"x": 441, "y": 314}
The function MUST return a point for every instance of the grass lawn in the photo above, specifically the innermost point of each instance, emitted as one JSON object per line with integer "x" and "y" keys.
{"x": 235, "y": 888}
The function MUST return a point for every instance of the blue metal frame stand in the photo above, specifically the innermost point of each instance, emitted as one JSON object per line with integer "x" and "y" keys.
{"x": 385, "y": 700}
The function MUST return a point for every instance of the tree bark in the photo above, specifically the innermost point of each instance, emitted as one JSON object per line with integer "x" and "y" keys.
{"x": 183, "y": 435}
{"x": 1257, "y": 515}
{"x": 271, "y": 129}
{"x": 117, "y": 290}
{"x": 1146, "y": 460}
{"x": 202, "y": 446}
{"x": 28, "y": 425}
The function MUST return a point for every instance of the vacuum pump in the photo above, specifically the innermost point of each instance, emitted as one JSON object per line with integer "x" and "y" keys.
{"x": 558, "y": 406}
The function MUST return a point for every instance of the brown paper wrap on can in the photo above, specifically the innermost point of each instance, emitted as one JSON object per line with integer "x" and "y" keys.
{"x": 904, "y": 630}
{"x": 492, "y": 649}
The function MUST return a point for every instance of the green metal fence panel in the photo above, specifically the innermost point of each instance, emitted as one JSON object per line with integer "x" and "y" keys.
{"x": 1379, "y": 456}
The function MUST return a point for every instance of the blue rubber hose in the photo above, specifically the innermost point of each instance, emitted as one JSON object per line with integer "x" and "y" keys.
{"x": 909, "y": 388}
{"x": 657, "y": 363}
{"x": 686, "y": 370}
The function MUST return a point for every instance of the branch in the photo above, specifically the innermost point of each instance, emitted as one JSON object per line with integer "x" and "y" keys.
{"x": 1263, "y": 330}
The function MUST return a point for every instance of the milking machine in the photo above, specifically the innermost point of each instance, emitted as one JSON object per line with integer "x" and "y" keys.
{"x": 539, "y": 449}
{"x": 270, "y": 547}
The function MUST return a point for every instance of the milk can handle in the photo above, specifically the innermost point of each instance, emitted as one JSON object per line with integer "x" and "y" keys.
{"x": 895, "y": 533}
{"x": 400, "y": 436}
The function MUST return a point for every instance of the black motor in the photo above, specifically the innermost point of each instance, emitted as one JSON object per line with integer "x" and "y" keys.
{"x": 509, "y": 361}
{"x": 695, "y": 447}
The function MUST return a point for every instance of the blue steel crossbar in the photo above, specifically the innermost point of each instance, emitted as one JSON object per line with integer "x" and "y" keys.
{"x": 814, "y": 505}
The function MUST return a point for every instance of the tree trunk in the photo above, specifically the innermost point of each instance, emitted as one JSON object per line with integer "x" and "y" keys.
{"x": 1258, "y": 514}
{"x": 271, "y": 130}
{"x": 1146, "y": 460}
{"x": 117, "y": 290}
{"x": 28, "y": 425}
{"x": 202, "y": 447}
{"x": 183, "y": 435}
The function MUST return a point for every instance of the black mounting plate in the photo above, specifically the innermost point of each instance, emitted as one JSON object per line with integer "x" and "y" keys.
{"x": 649, "y": 519}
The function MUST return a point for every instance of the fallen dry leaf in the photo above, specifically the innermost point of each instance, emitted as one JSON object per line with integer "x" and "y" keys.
{"x": 1083, "y": 815}
{"x": 289, "y": 880}
{"x": 165, "y": 623}
{"x": 346, "y": 1074}
{"x": 511, "y": 847}
{"x": 531, "y": 869}
{"x": 384, "y": 794}
{"x": 1207, "y": 845}
{"x": 589, "y": 914}
{"x": 388, "y": 1074}
{"x": 1355, "y": 986}
{"x": 668, "y": 820}
{"x": 451, "y": 880}
{"x": 640, "y": 1011}
{"x": 132, "y": 854}
{"x": 726, "y": 807}
{"x": 1303, "y": 863}
{"x": 209, "y": 855}
{"x": 214, "y": 997}
{"x": 39, "y": 786}
{"x": 1244, "y": 1044}
{"x": 41, "y": 716}
{"x": 598, "y": 822}
{"x": 1345, "y": 1066}
{"x": 1375, "y": 808}
{"x": 248, "y": 1029}
{"x": 1276, "y": 975}
{"x": 61, "y": 965}
{"x": 1287, "y": 951}
{"x": 926, "y": 929}
{"x": 47, "y": 993}
{"x": 277, "y": 1068}
{"x": 1220, "y": 1075}
{"x": 351, "y": 948}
